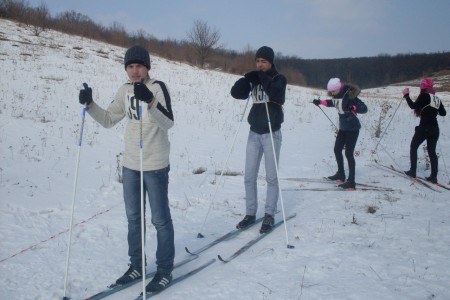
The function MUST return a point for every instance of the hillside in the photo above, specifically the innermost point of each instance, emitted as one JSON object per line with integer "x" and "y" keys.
{"x": 348, "y": 245}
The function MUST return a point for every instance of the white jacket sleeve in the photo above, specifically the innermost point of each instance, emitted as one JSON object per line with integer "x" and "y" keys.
{"x": 110, "y": 116}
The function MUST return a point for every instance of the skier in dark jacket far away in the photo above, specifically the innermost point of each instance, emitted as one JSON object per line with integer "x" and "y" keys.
{"x": 345, "y": 99}
{"x": 427, "y": 106}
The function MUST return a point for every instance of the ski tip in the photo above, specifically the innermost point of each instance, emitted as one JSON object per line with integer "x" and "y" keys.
{"x": 187, "y": 250}
{"x": 346, "y": 189}
{"x": 220, "y": 258}
{"x": 200, "y": 236}
{"x": 290, "y": 246}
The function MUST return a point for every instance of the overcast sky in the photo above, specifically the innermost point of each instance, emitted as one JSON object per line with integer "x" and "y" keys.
{"x": 303, "y": 28}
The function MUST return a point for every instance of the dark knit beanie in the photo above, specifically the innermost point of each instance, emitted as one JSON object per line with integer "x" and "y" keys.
{"x": 137, "y": 55}
{"x": 266, "y": 53}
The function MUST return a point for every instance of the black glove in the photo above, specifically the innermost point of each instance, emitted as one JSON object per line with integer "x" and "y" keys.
{"x": 85, "y": 96}
{"x": 141, "y": 92}
{"x": 240, "y": 89}
{"x": 317, "y": 102}
{"x": 253, "y": 77}
{"x": 352, "y": 108}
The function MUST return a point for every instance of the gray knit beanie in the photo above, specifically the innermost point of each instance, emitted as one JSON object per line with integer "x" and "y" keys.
{"x": 137, "y": 55}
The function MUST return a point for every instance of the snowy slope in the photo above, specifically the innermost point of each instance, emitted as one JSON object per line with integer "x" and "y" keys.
{"x": 401, "y": 251}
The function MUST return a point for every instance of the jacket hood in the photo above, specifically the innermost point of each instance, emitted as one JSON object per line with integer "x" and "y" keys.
{"x": 353, "y": 90}
{"x": 273, "y": 71}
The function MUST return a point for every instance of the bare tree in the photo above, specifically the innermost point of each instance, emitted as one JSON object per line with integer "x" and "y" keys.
{"x": 117, "y": 35}
{"x": 204, "y": 39}
{"x": 13, "y": 8}
{"x": 39, "y": 19}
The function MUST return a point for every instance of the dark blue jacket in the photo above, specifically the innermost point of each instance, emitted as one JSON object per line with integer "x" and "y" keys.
{"x": 267, "y": 86}
{"x": 348, "y": 97}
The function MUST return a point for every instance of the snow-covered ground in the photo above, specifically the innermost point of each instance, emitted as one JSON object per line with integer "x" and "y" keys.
{"x": 398, "y": 250}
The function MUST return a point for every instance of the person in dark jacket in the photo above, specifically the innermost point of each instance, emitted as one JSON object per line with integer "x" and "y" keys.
{"x": 348, "y": 105}
{"x": 427, "y": 106}
{"x": 267, "y": 88}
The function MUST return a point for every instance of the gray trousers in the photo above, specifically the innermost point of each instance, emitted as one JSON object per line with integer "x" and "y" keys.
{"x": 257, "y": 146}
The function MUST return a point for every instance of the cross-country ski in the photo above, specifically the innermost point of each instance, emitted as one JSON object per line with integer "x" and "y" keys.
{"x": 253, "y": 241}
{"x": 114, "y": 288}
{"x": 339, "y": 189}
{"x": 180, "y": 278}
{"x": 326, "y": 180}
{"x": 436, "y": 184}
{"x": 224, "y": 237}
{"x": 393, "y": 170}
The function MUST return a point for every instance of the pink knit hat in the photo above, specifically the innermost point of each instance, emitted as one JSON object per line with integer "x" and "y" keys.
{"x": 426, "y": 83}
{"x": 334, "y": 84}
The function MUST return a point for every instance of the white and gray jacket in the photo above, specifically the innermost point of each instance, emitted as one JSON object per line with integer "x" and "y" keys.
{"x": 155, "y": 124}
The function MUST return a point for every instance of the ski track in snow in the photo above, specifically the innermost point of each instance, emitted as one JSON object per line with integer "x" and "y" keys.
{"x": 341, "y": 251}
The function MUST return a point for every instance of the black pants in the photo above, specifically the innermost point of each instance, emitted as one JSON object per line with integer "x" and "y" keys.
{"x": 431, "y": 134}
{"x": 347, "y": 139}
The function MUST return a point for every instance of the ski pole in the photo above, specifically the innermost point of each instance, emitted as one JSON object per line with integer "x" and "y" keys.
{"x": 445, "y": 165}
{"x": 413, "y": 181}
{"x": 142, "y": 197}
{"x": 327, "y": 117}
{"x": 363, "y": 125}
{"x": 83, "y": 117}
{"x": 382, "y": 135}
{"x": 278, "y": 176}
{"x": 200, "y": 235}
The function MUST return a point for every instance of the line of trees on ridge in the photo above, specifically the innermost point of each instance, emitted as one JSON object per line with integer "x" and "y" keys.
{"x": 201, "y": 49}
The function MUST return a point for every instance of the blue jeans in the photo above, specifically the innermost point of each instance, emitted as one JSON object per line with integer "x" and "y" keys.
{"x": 156, "y": 187}
{"x": 257, "y": 146}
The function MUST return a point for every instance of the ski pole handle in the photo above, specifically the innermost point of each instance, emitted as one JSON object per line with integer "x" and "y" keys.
{"x": 87, "y": 97}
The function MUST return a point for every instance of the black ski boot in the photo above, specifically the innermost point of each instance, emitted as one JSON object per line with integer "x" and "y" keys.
{"x": 267, "y": 224}
{"x": 411, "y": 173}
{"x": 339, "y": 177}
{"x": 431, "y": 179}
{"x": 348, "y": 185}
{"x": 158, "y": 283}
{"x": 131, "y": 274}
{"x": 247, "y": 221}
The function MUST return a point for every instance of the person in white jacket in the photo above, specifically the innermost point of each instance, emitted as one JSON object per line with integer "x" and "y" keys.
{"x": 157, "y": 119}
